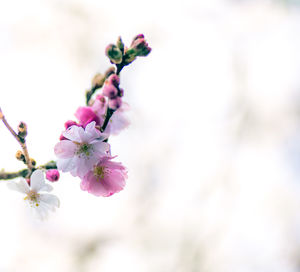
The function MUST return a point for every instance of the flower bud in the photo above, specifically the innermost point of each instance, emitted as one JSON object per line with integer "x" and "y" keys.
{"x": 114, "y": 53}
{"x": 22, "y": 130}
{"x": 52, "y": 175}
{"x": 62, "y": 137}
{"x": 85, "y": 115}
{"x": 114, "y": 80}
{"x": 98, "y": 81}
{"x": 101, "y": 98}
{"x": 115, "y": 103}
{"x": 32, "y": 161}
{"x": 141, "y": 47}
{"x": 110, "y": 90}
{"x": 130, "y": 56}
{"x": 139, "y": 36}
{"x": 70, "y": 123}
{"x": 20, "y": 156}
{"x": 111, "y": 70}
{"x": 120, "y": 44}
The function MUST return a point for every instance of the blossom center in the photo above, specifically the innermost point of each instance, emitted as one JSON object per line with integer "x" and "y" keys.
{"x": 33, "y": 198}
{"x": 99, "y": 172}
{"x": 85, "y": 149}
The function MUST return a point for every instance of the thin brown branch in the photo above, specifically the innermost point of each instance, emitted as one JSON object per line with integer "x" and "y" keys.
{"x": 21, "y": 141}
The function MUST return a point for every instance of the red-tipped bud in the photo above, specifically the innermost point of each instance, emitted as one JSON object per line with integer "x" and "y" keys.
{"x": 141, "y": 47}
{"x": 139, "y": 36}
{"x": 52, "y": 175}
{"x": 115, "y": 103}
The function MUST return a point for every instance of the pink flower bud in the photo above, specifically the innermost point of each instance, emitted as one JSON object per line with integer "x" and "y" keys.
{"x": 86, "y": 115}
{"x": 109, "y": 90}
{"x": 101, "y": 98}
{"x": 114, "y": 80}
{"x": 62, "y": 137}
{"x": 52, "y": 175}
{"x": 115, "y": 103}
{"x": 70, "y": 123}
{"x": 139, "y": 36}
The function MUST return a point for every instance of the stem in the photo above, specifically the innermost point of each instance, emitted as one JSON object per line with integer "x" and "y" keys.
{"x": 119, "y": 68}
{"x": 21, "y": 141}
{"x": 11, "y": 175}
{"x": 109, "y": 113}
{"x": 89, "y": 95}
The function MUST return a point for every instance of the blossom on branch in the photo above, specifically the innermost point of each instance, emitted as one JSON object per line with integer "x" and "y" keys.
{"x": 41, "y": 203}
{"x": 105, "y": 178}
{"x": 82, "y": 149}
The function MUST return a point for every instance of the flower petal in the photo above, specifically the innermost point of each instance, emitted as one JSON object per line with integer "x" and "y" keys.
{"x": 37, "y": 181}
{"x": 51, "y": 200}
{"x": 74, "y": 133}
{"x": 65, "y": 149}
{"x": 66, "y": 165}
{"x": 21, "y": 186}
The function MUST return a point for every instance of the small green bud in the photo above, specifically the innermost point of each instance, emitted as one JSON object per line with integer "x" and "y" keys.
{"x": 130, "y": 56}
{"x": 120, "y": 44}
{"x": 114, "y": 53}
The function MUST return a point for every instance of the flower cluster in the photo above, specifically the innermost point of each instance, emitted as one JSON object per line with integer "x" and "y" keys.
{"x": 83, "y": 149}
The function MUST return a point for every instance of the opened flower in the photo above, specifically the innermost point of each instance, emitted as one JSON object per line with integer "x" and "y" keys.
{"x": 41, "y": 203}
{"x": 81, "y": 150}
{"x": 105, "y": 179}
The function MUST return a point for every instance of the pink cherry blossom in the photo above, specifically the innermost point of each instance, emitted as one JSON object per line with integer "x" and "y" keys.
{"x": 82, "y": 149}
{"x": 105, "y": 179}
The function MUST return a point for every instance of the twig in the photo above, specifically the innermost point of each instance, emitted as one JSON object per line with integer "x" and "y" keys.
{"x": 20, "y": 140}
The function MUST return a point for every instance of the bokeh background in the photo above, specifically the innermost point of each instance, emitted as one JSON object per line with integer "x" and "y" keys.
{"x": 213, "y": 150}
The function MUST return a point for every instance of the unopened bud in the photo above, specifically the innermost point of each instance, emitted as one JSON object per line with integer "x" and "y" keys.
{"x": 111, "y": 70}
{"x": 110, "y": 90}
{"x": 20, "y": 156}
{"x": 114, "y": 80}
{"x": 120, "y": 44}
{"x": 22, "y": 130}
{"x": 139, "y": 36}
{"x": 32, "y": 161}
{"x": 141, "y": 47}
{"x": 101, "y": 98}
{"x": 98, "y": 81}
{"x": 70, "y": 123}
{"x": 130, "y": 56}
{"x": 114, "y": 53}
{"x": 115, "y": 103}
{"x": 52, "y": 175}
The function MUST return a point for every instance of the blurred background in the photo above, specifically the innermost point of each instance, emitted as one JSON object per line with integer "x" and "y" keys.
{"x": 213, "y": 150}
